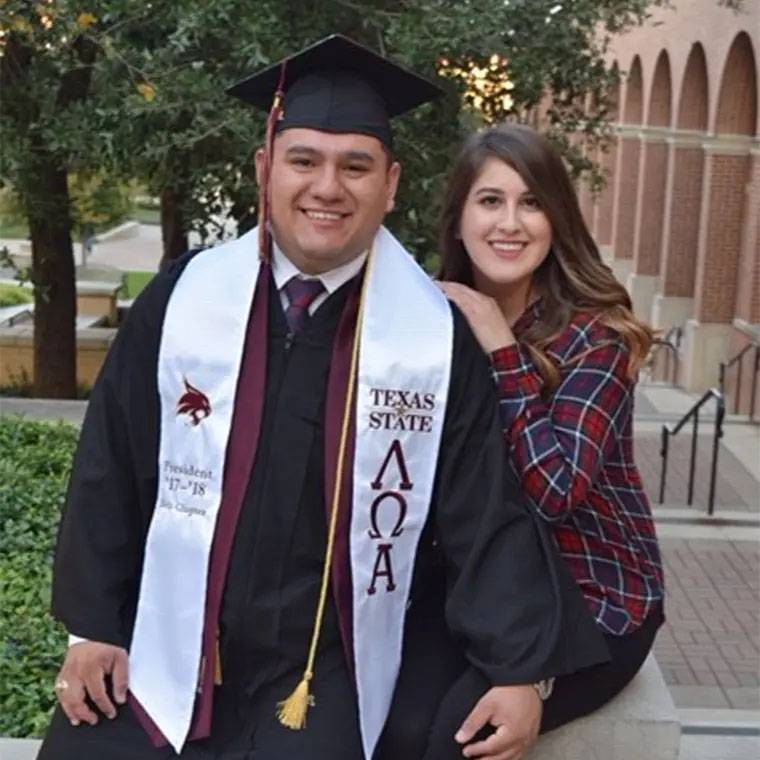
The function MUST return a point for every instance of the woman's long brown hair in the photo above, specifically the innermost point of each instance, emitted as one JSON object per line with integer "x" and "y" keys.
{"x": 572, "y": 278}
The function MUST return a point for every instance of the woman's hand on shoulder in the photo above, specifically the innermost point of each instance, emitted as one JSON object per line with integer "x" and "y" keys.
{"x": 482, "y": 314}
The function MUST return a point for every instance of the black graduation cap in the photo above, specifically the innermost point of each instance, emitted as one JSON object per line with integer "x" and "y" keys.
{"x": 337, "y": 85}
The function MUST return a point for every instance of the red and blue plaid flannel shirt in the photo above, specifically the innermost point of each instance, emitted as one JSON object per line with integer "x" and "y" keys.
{"x": 573, "y": 453}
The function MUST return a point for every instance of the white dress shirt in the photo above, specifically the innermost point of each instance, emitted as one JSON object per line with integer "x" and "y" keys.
{"x": 283, "y": 270}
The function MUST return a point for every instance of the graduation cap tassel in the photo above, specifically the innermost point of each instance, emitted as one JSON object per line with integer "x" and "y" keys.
{"x": 274, "y": 115}
{"x": 217, "y": 662}
{"x": 292, "y": 711}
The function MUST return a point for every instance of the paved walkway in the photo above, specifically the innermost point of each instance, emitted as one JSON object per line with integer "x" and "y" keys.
{"x": 138, "y": 250}
{"x": 709, "y": 649}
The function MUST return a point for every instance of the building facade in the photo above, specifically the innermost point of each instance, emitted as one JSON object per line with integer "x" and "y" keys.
{"x": 679, "y": 218}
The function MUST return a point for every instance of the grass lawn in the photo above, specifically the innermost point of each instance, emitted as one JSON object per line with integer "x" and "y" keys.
{"x": 19, "y": 230}
{"x": 13, "y": 229}
{"x": 14, "y": 295}
{"x": 146, "y": 215}
{"x": 134, "y": 282}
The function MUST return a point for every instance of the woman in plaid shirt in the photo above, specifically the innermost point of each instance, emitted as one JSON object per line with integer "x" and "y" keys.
{"x": 565, "y": 347}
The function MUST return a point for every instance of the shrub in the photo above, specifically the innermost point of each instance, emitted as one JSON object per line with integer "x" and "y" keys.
{"x": 35, "y": 459}
{"x": 14, "y": 295}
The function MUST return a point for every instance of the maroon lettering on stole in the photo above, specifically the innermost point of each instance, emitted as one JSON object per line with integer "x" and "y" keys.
{"x": 374, "y": 531}
{"x": 383, "y": 561}
{"x": 383, "y": 569}
{"x": 396, "y": 451}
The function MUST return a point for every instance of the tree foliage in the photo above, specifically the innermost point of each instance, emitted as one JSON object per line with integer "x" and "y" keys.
{"x": 156, "y": 107}
{"x": 137, "y": 90}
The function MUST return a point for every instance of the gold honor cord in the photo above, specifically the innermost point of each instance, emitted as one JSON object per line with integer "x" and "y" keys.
{"x": 292, "y": 711}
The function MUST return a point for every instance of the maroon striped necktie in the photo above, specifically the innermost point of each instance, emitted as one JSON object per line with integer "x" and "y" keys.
{"x": 300, "y": 293}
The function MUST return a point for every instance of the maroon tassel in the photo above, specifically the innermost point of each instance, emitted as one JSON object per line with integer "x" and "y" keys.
{"x": 274, "y": 116}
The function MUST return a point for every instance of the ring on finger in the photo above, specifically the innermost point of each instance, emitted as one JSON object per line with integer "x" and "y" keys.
{"x": 61, "y": 685}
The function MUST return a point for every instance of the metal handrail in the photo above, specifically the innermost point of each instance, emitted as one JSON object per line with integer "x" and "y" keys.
{"x": 739, "y": 359}
{"x": 667, "y": 432}
{"x": 676, "y": 330}
{"x": 672, "y": 342}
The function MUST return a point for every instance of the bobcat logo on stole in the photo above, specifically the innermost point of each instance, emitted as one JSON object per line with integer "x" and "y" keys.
{"x": 194, "y": 403}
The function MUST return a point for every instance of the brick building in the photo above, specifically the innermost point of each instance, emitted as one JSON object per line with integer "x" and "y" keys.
{"x": 679, "y": 219}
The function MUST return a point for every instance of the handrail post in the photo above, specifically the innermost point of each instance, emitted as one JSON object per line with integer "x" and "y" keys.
{"x": 676, "y": 361}
{"x": 722, "y": 377}
{"x": 717, "y": 435}
{"x": 664, "y": 455}
{"x": 738, "y": 389}
{"x": 753, "y": 392}
{"x": 693, "y": 462}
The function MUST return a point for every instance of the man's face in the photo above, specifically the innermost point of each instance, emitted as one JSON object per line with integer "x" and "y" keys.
{"x": 329, "y": 194}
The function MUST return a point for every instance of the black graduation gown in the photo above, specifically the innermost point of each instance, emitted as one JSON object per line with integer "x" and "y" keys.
{"x": 509, "y": 602}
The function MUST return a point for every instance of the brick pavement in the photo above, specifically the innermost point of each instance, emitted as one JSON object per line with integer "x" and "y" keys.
{"x": 709, "y": 648}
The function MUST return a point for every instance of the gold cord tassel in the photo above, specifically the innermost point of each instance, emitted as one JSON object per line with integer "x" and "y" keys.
{"x": 292, "y": 711}
{"x": 217, "y": 662}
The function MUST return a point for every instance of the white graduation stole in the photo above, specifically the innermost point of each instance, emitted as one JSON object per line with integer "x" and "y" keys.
{"x": 404, "y": 371}
{"x": 198, "y": 365}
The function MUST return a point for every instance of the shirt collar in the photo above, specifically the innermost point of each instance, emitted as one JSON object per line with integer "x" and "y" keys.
{"x": 283, "y": 270}
{"x": 529, "y": 316}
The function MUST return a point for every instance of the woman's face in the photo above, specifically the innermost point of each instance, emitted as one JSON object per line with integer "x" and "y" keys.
{"x": 504, "y": 231}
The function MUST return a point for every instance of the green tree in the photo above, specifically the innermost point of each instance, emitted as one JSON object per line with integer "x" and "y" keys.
{"x": 98, "y": 200}
{"x": 80, "y": 84}
{"x": 192, "y": 145}
{"x": 46, "y": 69}
{"x": 177, "y": 130}
{"x": 137, "y": 90}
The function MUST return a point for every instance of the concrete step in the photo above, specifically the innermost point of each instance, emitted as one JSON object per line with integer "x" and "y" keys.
{"x": 719, "y": 721}
{"x": 724, "y": 516}
{"x": 19, "y": 749}
{"x": 705, "y": 416}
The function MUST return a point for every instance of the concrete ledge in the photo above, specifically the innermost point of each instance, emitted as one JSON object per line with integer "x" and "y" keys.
{"x": 19, "y": 749}
{"x": 44, "y": 409}
{"x": 705, "y": 345}
{"x": 99, "y": 272}
{"x": 621, "y": 268}
{"x": 86, "y": 337}
{"x": 750, "y": 329}
{"x": 640, "y": 722}
{"x": 98, "y": 287}
{"x": 17, "y": 349}
{"x": 21, "y": 335}
{"x": 642, "y": 289}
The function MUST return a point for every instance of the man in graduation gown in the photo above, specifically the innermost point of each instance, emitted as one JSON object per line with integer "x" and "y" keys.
{"x": 291, "y": 480}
